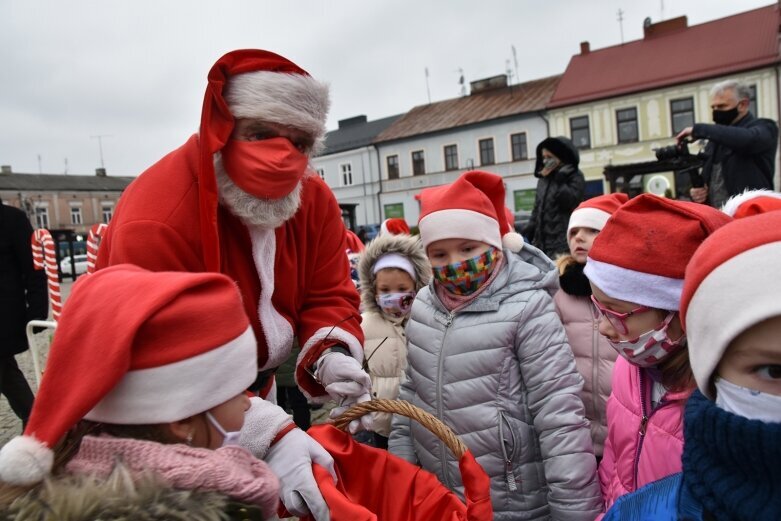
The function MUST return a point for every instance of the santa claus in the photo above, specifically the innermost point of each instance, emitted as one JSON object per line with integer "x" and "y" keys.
{"x": 239, "y": 198}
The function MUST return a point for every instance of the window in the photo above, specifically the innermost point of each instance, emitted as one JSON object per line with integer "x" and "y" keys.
{"x": 42, "y": 217}
{"x": 487, "y": 151}
{"x": 393, "y": 166}
{"x": 578, "y": 128}
{"x": 682, "y": 114}
{"x": 626, "y": 121}
{"x": 75, "y": 215}
{"x": 321, "y": 173}
{"x": 418, "y": 163}
{"x": 347, "y": 173}
{"x": 108, "y": 213}
{"x": 519, "y": 148}
{"x": 451, "y": 157}
{"x": 752, "y": 100}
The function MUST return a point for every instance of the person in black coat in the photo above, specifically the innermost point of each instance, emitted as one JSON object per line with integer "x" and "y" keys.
{"x": 23, "y": 298}
{"x": 559, "y": 191}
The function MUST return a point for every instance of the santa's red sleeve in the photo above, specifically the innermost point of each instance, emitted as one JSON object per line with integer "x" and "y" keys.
{"x": 329, "y": 313}
{"x": 151, "y": 245}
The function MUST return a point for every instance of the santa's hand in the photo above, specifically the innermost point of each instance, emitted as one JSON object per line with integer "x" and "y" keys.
{"x": 291, "y": 459}
{"x": 262, "y": 421}
{"x": 347, "y": 383}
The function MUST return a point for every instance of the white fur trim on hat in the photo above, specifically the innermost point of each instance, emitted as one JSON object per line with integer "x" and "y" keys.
{"x": 179, "y": 390}
{"x": 25, "y": 461}
{"x": 588, "y": 218}
{"x": 459, "y": 223}
{"x": 734, "y": 202}
{"x": 513, "y": 241}
{"x": 293, "y": 100}
{"x": 722, "y": 308}
{"x": 654, "y": 291}
{"x": 394, "y": 260}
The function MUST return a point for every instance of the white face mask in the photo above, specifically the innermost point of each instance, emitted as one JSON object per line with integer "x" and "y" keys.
{"x": 748, "y": 403}
{"x": 228, "y": 438}
{"x": 651, "y": 347}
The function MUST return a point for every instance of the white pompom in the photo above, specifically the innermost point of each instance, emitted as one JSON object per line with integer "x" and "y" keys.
{"x": 513, "y": 241}
{"x": 25, "y": 461}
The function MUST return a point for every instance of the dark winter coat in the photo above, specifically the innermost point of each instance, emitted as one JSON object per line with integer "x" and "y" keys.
{"x": 557, "y": 195}
{"x": 746, "y": 150}
{"x": 22, "y": 288}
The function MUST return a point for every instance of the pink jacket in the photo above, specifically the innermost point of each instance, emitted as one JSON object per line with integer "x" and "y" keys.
{"x": 642, "y": 445}
{"x": 593, "y": 356}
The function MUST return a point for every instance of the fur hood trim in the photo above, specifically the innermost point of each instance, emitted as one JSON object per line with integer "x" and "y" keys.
{"x": 406, "y": 245}
{"x": 117, "y": 498}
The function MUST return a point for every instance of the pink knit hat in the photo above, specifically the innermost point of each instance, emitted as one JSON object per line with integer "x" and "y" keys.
{"x": 594, "y": 212}
{"x": 641, "y": 254}
{"x": 730, "y": 286}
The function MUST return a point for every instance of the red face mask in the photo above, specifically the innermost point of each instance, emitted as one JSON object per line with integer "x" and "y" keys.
{"x": 266, "y": 169}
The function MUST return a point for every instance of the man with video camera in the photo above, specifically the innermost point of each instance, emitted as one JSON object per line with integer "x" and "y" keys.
{"x": 741, "y": 148}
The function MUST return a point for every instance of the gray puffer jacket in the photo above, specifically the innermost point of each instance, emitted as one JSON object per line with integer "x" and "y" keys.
{"x": 500, "y": 373}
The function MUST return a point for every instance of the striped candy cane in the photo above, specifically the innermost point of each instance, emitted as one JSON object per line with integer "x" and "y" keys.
{"x": 93, "y": 243}
{"x": 44, "y": 258}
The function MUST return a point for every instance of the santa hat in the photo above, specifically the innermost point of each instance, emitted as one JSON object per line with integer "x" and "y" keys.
{"x": 752, "y": 202}
{"x": 472, "y": 207}
{"x": 250, "y": 84}
{"x": 394, "y": 226}
{"x": 730, "y": 287}
{"x": 354, "y": 244}
{"x": 594, "y": 212}
{"x": 641, "y": 254}
{"x": 134, "y": 347}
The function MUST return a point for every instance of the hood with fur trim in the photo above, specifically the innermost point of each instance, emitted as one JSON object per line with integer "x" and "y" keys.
{"x": 121, "y": 498}
{"x": 406, "y": 245}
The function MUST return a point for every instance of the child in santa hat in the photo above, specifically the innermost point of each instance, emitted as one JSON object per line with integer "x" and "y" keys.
{"x": 392, "y": 270}
{"x": 115, "y": 410}
{"x": 732, "y": 455}
{"x": 394, "y": 226}
{"x": 489, "y": 357}
{"x": 635, "y": 268}
{"x": 752, "y": 202}
{"x": 593, "y": 355}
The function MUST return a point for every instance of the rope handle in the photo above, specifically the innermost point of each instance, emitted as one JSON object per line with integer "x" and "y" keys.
{"x": 404, "y": 408}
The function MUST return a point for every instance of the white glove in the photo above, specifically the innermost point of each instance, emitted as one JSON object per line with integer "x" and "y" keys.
{"x": 347, "y": 383}
{"x": 262, "y": 421}
{"x": 291, "y": 459}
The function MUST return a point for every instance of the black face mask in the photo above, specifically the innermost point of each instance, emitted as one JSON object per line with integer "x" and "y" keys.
{"x": 725, "y": 117}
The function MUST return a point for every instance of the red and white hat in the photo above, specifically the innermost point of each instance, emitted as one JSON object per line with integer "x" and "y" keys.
{"x": 134, "y": 347}
{"x": 730, "y": 286}
{"x": 752, "y": 202}
{"x": 394, "y": 226}
{"x": 251, "y": 83}
{"x": 641, "y": 254}
{"x": 594, "y": 212}
{"x": 472, "y": 207}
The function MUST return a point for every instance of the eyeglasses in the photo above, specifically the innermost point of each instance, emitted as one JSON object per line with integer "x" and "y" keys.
{"x": 616, "y": 319}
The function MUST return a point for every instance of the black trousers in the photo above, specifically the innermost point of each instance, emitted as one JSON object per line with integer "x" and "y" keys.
{"x": 15, "y": 388}
{"x": 293, "y": 400}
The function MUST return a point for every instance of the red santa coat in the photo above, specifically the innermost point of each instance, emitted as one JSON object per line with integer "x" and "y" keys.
{"x": 295, "y": 280}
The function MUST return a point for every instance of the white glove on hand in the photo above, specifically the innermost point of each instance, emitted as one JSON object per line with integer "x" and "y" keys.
{"x": 291, "y": 459}
{"x": 347, "y": 383}
{"x": 262, "y": 421}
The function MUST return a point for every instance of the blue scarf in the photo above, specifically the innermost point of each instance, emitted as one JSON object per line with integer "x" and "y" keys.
{"x": 731, "y": 465}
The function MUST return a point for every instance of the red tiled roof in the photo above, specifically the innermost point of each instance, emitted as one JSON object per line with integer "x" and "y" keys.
{"x": 736, "y": 43}
{"x": 475, "y": 108}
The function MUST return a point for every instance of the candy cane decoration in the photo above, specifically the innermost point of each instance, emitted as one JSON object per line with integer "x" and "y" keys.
{"x": 93, "y": 243}
{"x": 45, "y": 259}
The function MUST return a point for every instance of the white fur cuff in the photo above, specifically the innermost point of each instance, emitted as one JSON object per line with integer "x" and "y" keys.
{"x": 261, "y": 424}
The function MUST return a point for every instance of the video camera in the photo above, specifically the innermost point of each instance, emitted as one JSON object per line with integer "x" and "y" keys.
{"x": 683, "y": 161}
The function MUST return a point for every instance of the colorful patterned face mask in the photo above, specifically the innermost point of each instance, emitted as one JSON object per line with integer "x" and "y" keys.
{"x": 466, "y": 277}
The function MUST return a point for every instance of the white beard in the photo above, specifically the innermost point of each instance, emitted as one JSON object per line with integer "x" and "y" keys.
{"x": 266, "y": 213}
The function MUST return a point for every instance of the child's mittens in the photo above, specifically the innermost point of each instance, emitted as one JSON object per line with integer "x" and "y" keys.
{"x": 262, "y": 422}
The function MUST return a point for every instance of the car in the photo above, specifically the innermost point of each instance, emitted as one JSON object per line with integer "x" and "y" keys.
{"x": 79, "y": 263}
{"x": 522, "y": 218}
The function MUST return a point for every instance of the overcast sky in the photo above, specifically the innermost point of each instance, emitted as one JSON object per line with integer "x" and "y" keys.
{"x": 135, "y": 71}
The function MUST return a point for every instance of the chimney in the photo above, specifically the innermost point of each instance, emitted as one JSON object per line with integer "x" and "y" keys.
{"x": 585, "y": 47}
{"x": 664, "y": 27}
{"x": 100, "y": 172}
{"x": 6, "y": 169}
{"x": 355, "y": 120}
{"x": 486, "y": 84}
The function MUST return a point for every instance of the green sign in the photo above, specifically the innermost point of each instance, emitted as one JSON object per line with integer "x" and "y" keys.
{"x": 524, "y": 199}
{"x": 394, "y": 210}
